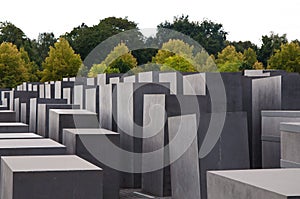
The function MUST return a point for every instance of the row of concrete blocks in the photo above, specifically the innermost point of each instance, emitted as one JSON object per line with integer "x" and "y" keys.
{"x": 234, "y": 103}
{"x": 266, "y": 183}
{"x": 55, "y": 176}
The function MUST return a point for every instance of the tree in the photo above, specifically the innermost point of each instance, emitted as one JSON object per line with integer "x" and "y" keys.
{"x": 12, "y": 67}
{"x": 241, "y": 46}
{"x": 269, "y": 45}
{"x": 61, "y": 62}
{"x": 31, "y": 67}
{"x": 210, "y": 35}
{"x": 10, "y": 33}
{"x": 119, "y": 60}
{"x": 286, "y": 58}
{"x": 84, "y": 39}
{"x": 249, "y": 59}
{"x": 229, "y": 60}
{"x": 45, "y": 40}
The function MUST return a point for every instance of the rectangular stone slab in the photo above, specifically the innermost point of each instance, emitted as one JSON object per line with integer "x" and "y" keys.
{"x": 70, "y": 118}
{"x": 13, "y": 127}
{"x": 7, "y": 116}
{"x": 58, "y": 177}
{"x": 43, "y": 116}
{"x": 290, "y": 144}
{"x": 254, "y": 184}
{"x": 34, "y": 110}
{"x": 271, "y": 135}
{"x": 90, "y": 144}
{"x": 19, "y": 136}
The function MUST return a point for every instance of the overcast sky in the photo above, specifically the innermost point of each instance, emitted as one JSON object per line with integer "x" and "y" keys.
{"x": 244, "y": 20}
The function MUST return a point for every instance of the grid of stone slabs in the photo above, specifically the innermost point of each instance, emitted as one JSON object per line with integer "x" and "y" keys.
{"x": 50, "y": 177}
{"x": 13, "y": 127}
{"x": 254, "y": 184}
{"x": 290, "y": 145}
{"x": 70, "y": 118}
{"x": 96, "y": 146}
{"x": 271, "y": 135}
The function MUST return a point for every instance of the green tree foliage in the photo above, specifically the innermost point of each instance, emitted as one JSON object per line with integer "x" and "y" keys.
{"x": 61, "y": 62}
{"x": 10, "y": 33}
{"x": 31, "y": 67}
{"x": 229, "y": 60}
{"x": 178, "y": 55}
{"x": 286, "y": 58}
{"x": 269, "y": 45}
{"x": 119, "y": 60}
{"x": 249, "y": 59}
{"x": 13, "y": 69}
{"x": 241, "y": 46}
{"x": 211, "y": 36}
{"x": 84, "y": 39}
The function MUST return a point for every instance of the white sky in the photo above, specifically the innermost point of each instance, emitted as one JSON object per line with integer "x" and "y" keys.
{"x": 244, "y": 20}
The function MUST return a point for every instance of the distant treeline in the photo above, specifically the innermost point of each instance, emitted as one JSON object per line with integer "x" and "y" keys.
{"x": 52, "y": 58}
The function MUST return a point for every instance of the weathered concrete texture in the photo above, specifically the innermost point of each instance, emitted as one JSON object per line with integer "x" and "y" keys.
{"x": 34, "y": 110}
{"x": 230, "y": 142}
{"x": 271, "y": 135}
{"x": 185, "y": 182}
{"x": 290, "y": 144}
{"x": 103, "y": 79}
{"x": 43, "y": 116}
{"x": 79, "y": 95}
{"x": 156, "y": 110}
{"x": 108, "y": 107}
{"x": 130, "y": 123}
{"x": 13, "y": 127}
{"x": 175, "y": 79}
{"x": 96, "y": 146}
{"x": 254, "y": 184}
{"x": 50, "y": 177}
{"x": 19, "y": 136}
{"x": 194, "y": 84}
{"x": 67, "y": 118}
{"x": 22, "y": 107}
{"x": 264, "y": 94}
{"x": 148, "y": 77}
{"x": 92, "y": 99}
{"x": 49, "y": 90}
{"x": 155, "y": 182}
{"x": 7, "y": 116}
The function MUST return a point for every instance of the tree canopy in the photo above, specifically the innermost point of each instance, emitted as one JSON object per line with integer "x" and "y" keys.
{"x": 61, "y": 62}
{"x": 13, "y": 69}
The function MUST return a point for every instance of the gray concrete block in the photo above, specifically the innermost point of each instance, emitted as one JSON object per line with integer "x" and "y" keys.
{"x": 130, "y": 123}
{"x": 290, "y": 142}
{"x": 7, "y": 116}
{"x": 49, "y": 177}
{"x": 254, "y": 184}
{"x": 95, "y": 146}
{"x": 271, "y": 135}
{"x": 43, "y": 116}
{"x": 13, "y": 127}
{"x": 19, "y": 136}
{"x": 194, "y": 84}
{"x": 70, "y": 118}
{"x": 34, "y": 110}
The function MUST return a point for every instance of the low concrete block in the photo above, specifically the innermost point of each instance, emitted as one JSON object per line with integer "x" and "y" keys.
{"x": 70, "y": 118}
{"x": 290, "y": 145}
{"x": 50, "y": 177}
{"x": 254, "y": 184}
{"x": 7, "y": 116}
{"x": 13, "y": 127}
{"x": 96, "y": 146}
{"x": 19, "y": 136}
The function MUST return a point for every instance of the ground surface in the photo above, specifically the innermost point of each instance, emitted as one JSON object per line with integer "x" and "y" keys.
{"x": 133, "y": 194}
